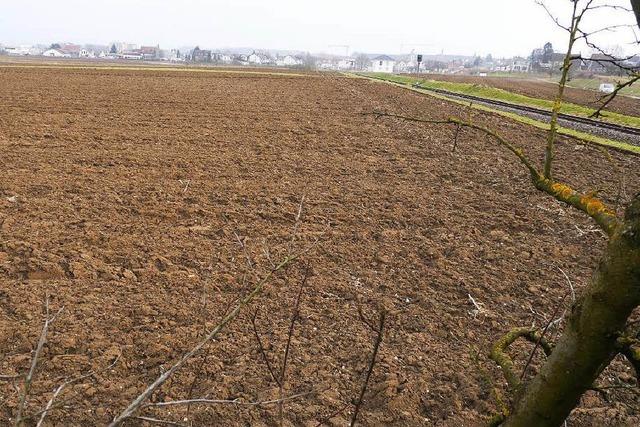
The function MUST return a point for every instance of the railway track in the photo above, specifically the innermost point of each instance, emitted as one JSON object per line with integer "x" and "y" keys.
{"x": 632, "y": 133}
{"x": 577, "y": 119}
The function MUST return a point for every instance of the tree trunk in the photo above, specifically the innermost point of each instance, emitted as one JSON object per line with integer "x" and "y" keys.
{"x": 588, "y": 342}
{"x": 636, "y": 9}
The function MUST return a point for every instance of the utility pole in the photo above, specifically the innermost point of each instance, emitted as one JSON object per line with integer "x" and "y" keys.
{"x": 419, "y": 57}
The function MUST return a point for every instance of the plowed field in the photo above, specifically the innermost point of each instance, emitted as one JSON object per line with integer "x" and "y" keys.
{"x": 146, "y": 203}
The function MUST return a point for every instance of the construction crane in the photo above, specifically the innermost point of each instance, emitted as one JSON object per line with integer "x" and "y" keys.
{"x": 346, "y": 48}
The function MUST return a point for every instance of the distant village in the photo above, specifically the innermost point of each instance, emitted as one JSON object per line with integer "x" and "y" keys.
{"x": 543, "y": 59}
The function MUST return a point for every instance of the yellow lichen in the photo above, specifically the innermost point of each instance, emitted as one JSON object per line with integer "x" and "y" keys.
{"x": 562, "y": 190}
{"x": 595, "y": 206}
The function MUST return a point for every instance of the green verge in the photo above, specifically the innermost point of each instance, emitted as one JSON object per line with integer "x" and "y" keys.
{"x": 506, "y": 96}
{"x": 583, "y": 136}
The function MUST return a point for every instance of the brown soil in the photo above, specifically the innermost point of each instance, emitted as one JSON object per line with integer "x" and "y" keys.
{"x": 547, "y": 90}
{"x": 121, "y": 195}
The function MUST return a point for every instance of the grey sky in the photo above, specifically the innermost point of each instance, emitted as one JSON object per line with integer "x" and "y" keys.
{"x": 500, "y": 27}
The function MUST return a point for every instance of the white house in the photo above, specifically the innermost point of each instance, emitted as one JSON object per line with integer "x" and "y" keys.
{"x": 347, "y": 64}
{"x": 55, "y": 53}
{"x": 84, "y": 53}
{"x": 258, "y": 59}
{"x": 225, "y": 58}
{"x": 382, "y": 64}
{"x": 289, "y": 61}
{"x": 520, "y": 65}
{"x": 130, "y": 55}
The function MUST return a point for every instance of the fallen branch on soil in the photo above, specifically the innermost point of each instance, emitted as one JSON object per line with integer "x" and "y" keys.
{"x": 10, "y": 377}
{"x": 34, "y": 361}
{"x": 296, "y": 222}
{"x": 224, "y": 402}
{"x": 140, "y": 399}
{"x": 376, "y": 346}
{"x": 478, "y": 307}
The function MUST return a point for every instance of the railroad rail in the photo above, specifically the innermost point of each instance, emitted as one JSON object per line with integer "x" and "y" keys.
{"x": 577, "y": 119}
{"x": 629, "y": 130}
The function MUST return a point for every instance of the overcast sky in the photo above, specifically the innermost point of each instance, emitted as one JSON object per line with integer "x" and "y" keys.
{"x": 500, "y": 27}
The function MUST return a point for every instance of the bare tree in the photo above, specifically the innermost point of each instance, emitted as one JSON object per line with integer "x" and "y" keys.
{"x": 597, "y": 328}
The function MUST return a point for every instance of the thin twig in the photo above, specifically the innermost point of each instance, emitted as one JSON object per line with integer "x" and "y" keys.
{"x": 62, "y": 386}
{"x": 243, "y": 245}
{"x": 479, "y": 309}
{"x": 573, "y": 292}
{"x": 541, "y": 337}
{"x": 372, "y": 362}
{"x": 294, "y": 318}
{"x": 223, "y": 402}
{"x": 140, "y": 399}
{"x": 34, "y": 361}
{"x": 10, "y": 377}
{"x": 605, "y": 217}
{"x": 455, "y": 139}
{"x": 262, "y": 350}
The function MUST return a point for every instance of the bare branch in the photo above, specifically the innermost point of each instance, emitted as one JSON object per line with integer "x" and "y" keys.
{"x": 363, "y": 390}
{"x": 589, "y": 204}
{"x": 223, "y": 402}
{"x": 138, "y": 401}
{"x": 34, "y": 361}
{"x": 610, "y": 6}
{"x": 552, "y": 16}
{"x": 573, "y": 292}
{"x": 262, "y": 350}
{"x": 294, "y": 318}
{"x": 10, "y": 377}
{"x": 62, "y": 386}
{"x": 499, "y": 355}
{"x": 541, "y": 337}
{"x": 610, "y": 97}
{"x": 455, "y": 139}
{"x": 340, "y": 410}
{"x": 455, "y": 121}
{"x": 243, "y": 245}
{"x": 296, "y": 222}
